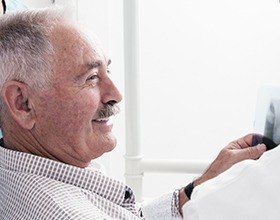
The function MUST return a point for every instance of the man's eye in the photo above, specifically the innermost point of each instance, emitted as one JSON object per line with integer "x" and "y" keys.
{"x": 93, "y": 78}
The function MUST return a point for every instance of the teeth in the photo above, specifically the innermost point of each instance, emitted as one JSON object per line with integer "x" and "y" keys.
{"x": 102, "y": 119}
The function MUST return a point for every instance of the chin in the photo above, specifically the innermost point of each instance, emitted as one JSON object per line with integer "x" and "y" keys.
{"x": 103, "y": 151}
{"x": 112, "y": 145}
{"x": 108, "y": 145}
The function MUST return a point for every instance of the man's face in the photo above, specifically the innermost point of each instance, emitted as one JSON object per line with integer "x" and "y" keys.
{"x": 68, "y": 122}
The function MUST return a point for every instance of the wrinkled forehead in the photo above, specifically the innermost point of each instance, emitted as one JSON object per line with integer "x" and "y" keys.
{"x": 75, "y": 49}
{"x": 69, "y": 36}
{"x": 92, "y": 39}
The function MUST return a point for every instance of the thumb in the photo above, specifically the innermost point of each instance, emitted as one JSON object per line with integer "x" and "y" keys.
{"x": 251, "y": 152}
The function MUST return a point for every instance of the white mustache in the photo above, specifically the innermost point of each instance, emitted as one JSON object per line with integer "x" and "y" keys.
{"x": 108, "y": 111}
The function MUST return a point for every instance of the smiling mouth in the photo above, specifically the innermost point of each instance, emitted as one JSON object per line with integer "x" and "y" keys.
{"x": 101, "y": 120}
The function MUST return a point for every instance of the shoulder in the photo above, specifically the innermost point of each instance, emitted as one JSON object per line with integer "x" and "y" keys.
{"x": 27, "y": 196}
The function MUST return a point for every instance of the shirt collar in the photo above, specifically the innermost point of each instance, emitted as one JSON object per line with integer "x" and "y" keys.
{"x": 88, "y": 179}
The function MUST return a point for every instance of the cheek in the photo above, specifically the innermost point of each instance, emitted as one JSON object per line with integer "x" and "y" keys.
{"x": 70, "y": 114}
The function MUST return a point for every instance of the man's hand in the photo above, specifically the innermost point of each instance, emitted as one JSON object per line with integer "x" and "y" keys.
{"x": 236, "y": 151}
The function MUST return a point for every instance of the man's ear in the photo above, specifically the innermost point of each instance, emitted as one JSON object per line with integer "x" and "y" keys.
{"x": 16, "y": 97}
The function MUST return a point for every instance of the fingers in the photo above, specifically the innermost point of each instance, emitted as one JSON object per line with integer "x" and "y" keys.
{"x": 247, "y": 140}
{"x": 231, "y": 155}
{"x": 251, "y": 152}
{"x": 243, "y": 142}
{"x": 257, "y": 139}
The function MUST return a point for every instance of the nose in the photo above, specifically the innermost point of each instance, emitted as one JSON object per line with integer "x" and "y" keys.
{"x": 110, "y": 93}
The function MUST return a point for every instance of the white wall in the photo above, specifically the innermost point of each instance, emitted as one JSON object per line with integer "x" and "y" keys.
{"x": 202, "y": 62}
{"x": 201, "y": 65}
{"x": 38, "y": 3}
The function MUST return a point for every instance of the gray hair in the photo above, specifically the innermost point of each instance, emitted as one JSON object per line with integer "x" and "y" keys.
{"x": 26, "y": 53}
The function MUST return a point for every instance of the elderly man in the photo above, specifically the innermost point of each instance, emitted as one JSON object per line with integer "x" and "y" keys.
{"x": 56, "y": 101}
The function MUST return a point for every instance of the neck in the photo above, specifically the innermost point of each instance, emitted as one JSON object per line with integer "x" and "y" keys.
{"x": 27, "y": 143}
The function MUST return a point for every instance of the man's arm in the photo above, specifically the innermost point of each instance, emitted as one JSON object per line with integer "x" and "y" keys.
{"x": 236, "y": 151}
{"x": 233, "y": 153}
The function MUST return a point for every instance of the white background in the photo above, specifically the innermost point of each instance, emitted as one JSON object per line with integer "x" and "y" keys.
{"x": 202, "y": 63}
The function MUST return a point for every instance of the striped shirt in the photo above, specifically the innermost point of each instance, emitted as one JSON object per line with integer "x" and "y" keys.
{"x": 37, "y": 188}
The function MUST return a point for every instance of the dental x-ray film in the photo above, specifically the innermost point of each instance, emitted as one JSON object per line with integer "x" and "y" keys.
{"x": 267, "y": 117}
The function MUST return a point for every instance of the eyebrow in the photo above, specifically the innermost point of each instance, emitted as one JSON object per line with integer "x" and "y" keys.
{"x": 88, "y": 67}
{"x": 91, "y": 66}
{"x": 96, "y": 64}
